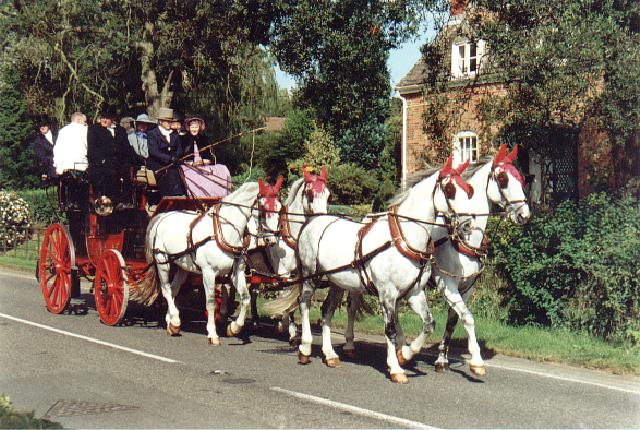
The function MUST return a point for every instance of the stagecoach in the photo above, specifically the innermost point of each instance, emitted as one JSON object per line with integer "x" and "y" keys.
{"x": 104, "y": 243}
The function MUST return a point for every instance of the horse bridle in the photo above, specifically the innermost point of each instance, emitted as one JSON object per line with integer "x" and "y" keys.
{"x": 502, "y": 181}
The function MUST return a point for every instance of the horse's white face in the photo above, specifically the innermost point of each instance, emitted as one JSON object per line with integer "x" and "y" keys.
{"x": 315, "y": 193}
{"x": 269, "y": 214}
{"x": 269, "y": 207}
{"x": 506, "y": 187}
{"x": 452, "y": 194}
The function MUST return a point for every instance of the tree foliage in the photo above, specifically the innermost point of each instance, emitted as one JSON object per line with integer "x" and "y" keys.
{"x": 338, "y": 51}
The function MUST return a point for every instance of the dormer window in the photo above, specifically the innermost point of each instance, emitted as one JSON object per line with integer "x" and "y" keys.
{"x": 465, "y": 58}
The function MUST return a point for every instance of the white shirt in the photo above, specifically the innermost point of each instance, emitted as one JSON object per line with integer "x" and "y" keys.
{"x": 70, "y": 150}
{"x": 49, "y": 136}
{"x": 166, "y": 133}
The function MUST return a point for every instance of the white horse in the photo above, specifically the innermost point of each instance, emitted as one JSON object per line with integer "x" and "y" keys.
{"x": 211, "y": 244}
{"x": 391, "y": 256}
{"x": 458, "y": 263}
{"x": 308, "y": 196}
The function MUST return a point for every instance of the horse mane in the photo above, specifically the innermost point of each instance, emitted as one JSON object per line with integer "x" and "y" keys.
{"x": 471, "y": 170}
{"x": 242, "y": 194}
{"x": 293, "y": 191}
{"x": 401, "y": 195}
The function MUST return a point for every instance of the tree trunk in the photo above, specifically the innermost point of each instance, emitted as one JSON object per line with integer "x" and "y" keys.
{"x": 152, "y": 98}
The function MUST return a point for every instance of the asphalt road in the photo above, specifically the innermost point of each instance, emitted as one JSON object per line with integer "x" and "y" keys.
{"x": 84, "y": 374}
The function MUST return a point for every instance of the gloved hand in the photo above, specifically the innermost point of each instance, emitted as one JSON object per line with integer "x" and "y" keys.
{"x": 175, "y": 160}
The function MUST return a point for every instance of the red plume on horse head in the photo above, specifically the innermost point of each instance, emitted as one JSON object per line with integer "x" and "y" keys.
{"x": 502, "y": 156}
{"x": 446, "y": 169}
{"x": 267, "y": 190}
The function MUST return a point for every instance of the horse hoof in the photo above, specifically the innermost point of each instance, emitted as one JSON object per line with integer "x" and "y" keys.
{"x": 441, "y": 367}
{"x": 230, "y": 332}
{"x": 279, "y": 327}
{"x": 401, "y": 360}
{"x": 213, "y": 341}
{"x": 478, "y": 370}
{"x": 333, "y": 362}
{"x": 303, "y": 359}
{"x": 399, "y": 378}
{"x": 173, "y": 330}
{"x": 350, "y": 353}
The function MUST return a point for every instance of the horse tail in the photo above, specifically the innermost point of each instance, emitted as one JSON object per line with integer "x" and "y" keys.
{"x": 287, "y": 302}
{"x": 146, "y": 292}
{"x": 362, "y": 307}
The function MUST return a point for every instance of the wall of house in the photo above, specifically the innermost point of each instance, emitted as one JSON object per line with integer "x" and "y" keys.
{"x": 462, "y": 116}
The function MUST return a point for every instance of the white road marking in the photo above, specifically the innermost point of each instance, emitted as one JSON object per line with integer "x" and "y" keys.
{"x": 91, "y": 339}
{"x": 354, "y": 409}
{"x": 563, "y": 378}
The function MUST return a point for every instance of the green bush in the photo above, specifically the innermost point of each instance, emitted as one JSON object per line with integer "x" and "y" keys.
{"x": 43, "y": 208}
{"x": 575, "y": 266}
{"x": 351, "y": 184}
{"x": 14, "y": 220}
{"x": 11, "y": 419}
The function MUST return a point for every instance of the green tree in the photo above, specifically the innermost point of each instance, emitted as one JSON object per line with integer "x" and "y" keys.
{"x": 16, "y": 155}
{"x": 338, "y": 51}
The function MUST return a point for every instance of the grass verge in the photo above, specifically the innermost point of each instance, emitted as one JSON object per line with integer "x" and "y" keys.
{"x": 531, "y": 342}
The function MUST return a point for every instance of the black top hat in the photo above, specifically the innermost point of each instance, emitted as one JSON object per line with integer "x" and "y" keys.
{"x": 108, "y": 113}
{"x": 43, "y": 120}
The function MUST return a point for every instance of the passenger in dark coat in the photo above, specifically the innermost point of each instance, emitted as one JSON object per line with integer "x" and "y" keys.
{"x": 43, "y": 148}
{"x": 111, "y": 160}
{"x": 165, "y": 149}
{"x": 195, "y": 128}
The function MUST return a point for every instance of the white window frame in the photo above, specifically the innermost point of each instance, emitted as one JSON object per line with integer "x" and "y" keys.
{"x": 461, "y": 59}
{"x": 466, "y": 145}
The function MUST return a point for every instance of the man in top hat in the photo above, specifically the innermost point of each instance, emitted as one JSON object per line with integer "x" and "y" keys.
{"x": 43, "y": 148}
{"x": 138, "y": 138}
{"x": 111, "y": 160}
{"x": 165, "y": 151}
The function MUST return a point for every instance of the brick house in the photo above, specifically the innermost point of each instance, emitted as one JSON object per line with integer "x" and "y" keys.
{"x": 568, "y": 172}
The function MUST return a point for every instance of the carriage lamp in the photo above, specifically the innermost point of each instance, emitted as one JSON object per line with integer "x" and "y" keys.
{"x": 103, "y": 206}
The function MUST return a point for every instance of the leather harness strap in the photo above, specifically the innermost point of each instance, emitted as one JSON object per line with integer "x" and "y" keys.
{"x": 401, "y": 243}
{"x": 221, "y": 241}
{"x": 360, "y": 260}
{"x": 285, "y": 230}
{"x": 463, "y": 247}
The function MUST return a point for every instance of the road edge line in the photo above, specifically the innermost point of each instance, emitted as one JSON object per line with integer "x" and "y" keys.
{"x": 90, "y": 339}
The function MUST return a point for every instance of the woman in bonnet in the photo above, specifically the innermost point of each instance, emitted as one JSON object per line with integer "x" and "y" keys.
{"x": 194, "y": 141}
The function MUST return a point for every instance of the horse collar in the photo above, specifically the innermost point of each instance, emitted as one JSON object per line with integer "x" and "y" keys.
{"x": 401, "y": 243}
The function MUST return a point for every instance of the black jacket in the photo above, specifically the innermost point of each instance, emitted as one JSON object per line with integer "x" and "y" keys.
{"x": 161, "y": 151}
{"x": 44, "y": 154}
{"x": 109, "y": 155}
{"x": 188, "y": 140}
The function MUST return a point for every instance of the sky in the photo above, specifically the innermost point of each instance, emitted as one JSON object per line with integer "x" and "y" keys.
{"x": 400, "y": 62}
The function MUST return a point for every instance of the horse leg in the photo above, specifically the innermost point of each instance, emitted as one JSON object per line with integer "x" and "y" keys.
{"x": 418, "y": 302}
{"x": 453, "y": 297}
{"x": 240, "y": 282}
{"x": 442, "y": 363}
{"x": 306, "y": 338}
{"x": 292, "y": 328}
{"x": 173, "y": 316}
{"x": 328, "y": 308}
{"x": 209, "y": 283}
{"x": 390, "y": 314}
{"x": 354, "y": 300}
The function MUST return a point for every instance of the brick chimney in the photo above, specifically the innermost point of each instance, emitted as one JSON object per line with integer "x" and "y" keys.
{"x": 458, "y": 7}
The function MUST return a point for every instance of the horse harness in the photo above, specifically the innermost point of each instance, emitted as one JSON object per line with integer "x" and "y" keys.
{"x": 218, "y": 236}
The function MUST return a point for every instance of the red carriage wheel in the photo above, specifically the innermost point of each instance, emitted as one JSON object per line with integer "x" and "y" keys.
{"x": 110, "y": 287}
{"x": 57, "y": 257}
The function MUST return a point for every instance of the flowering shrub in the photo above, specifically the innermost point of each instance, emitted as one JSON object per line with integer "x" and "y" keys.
{"x": 14, "y": 220}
